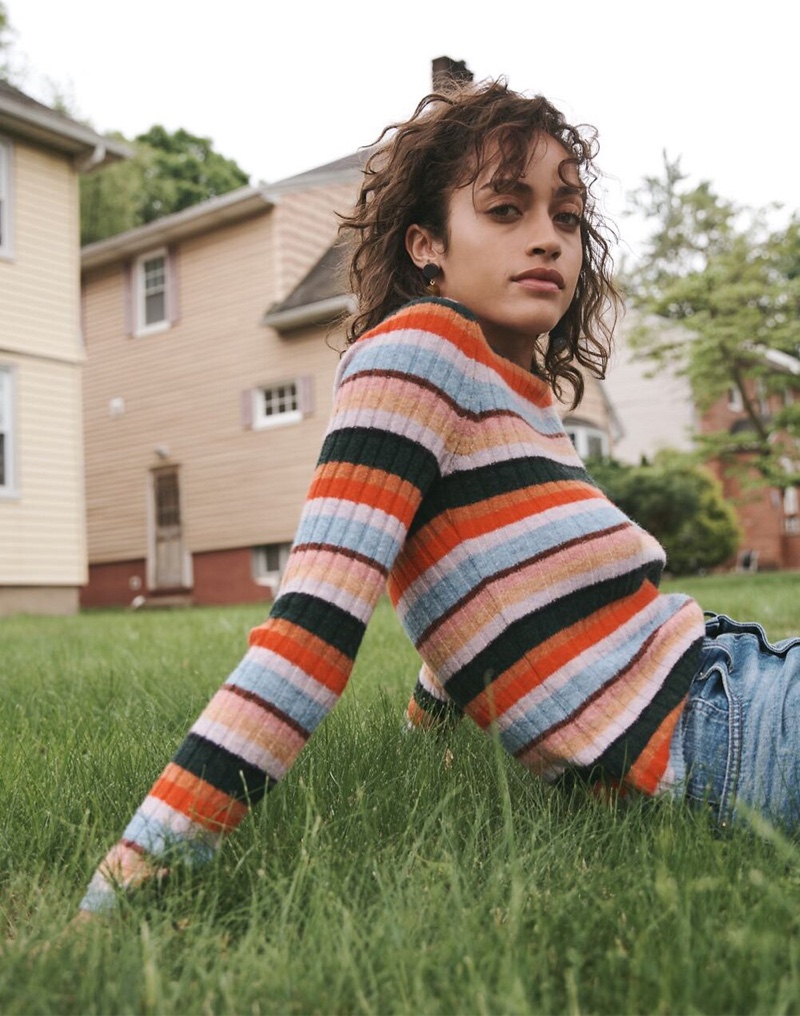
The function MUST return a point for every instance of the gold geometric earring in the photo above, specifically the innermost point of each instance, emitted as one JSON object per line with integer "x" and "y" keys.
{"x": 430, "y": 274}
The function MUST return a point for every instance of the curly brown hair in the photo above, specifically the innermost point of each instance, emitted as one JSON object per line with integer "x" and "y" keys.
{"x": 409, "y": 178}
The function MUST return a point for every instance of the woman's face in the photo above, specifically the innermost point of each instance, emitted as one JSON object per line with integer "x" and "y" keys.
{"x": 514, "y": 253}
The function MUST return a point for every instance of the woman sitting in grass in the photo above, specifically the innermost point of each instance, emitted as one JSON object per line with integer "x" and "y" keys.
{"x": 483, "y": 277}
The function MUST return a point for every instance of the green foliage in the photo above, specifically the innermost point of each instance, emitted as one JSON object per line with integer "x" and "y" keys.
{"x": 169, "y": 172}
{"x": 734, "y": 284}
{"x": 679, "y": 503}
{"x": 5, "y": 42}
{"x": 389, "y": 873}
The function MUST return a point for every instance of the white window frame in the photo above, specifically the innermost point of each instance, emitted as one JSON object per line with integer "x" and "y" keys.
{"x": 6, "y": 200}
{"x": 581, "y": 433}
{"x": 274, "y": 395}
{"x": 8, "y": 420}
{"x": 262, "y": 573}
{"x": 140, "y": 294}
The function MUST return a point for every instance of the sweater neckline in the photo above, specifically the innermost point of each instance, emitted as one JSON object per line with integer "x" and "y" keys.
{"x": 522, "y": 380}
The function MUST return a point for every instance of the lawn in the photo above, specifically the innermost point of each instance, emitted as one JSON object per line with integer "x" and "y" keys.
{"x": 388, "y": 873}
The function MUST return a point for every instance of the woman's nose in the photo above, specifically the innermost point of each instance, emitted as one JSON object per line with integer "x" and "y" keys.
{"x": 545, "y": 241}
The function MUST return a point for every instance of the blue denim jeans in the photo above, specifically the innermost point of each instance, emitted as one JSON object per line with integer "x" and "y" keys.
{"x": 737, "y": 746}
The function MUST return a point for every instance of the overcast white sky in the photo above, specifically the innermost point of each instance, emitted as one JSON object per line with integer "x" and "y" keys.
{"x": 287, "y": 85}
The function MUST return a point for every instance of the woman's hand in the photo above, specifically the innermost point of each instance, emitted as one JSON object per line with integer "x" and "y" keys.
{"x": 124, "y": 869}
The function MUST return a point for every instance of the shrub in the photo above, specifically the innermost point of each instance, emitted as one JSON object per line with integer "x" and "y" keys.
{"x": 677, "y": 501}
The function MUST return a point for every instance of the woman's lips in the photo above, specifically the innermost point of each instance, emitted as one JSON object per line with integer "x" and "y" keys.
{"x": 542, "y": 280}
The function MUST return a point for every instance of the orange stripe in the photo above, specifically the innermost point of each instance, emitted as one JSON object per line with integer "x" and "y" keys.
{"x": 553, "y": 654}
{"x": 361, "y": 484}
{"x": 443, "y": 534}
{"x": 648, "y": 770}
{"x": 447, "y": 324}
{"x": 328, "y": 666}
{"x": 418, "y": 716}
{"x": 197, "y": 799}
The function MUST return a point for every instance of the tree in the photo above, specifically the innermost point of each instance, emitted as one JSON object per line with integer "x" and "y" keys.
{"x": 679, "y": 503}
{"x": 5, "y": 42}
{"x": 168, "y": 172}
{"x": 734, "y": 283}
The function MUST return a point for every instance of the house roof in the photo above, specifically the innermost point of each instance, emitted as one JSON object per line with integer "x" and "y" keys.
{"x": 348, "y": 167}
{"x": 217, "y": 211}
{"x": 24, "y": 117}
{"x": 222, "y": 210}
{"x": 321, "y": 295}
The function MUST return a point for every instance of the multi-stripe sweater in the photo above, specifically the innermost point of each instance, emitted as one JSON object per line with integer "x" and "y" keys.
{"x": 446, "y": 474}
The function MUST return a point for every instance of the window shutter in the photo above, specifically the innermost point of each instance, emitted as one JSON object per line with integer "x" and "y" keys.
{"x": 173, "y": 286}
{"x": 128, "y": 298}
{"x": 246, "y": 408}
{"x": 305, "y": 394}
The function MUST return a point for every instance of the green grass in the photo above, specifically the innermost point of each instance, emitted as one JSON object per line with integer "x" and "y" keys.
{"x": 387, "y": 874}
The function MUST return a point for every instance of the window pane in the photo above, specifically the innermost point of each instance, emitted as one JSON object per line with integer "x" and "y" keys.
{"x": 167, "y": 505}
{"x": 595, "y": 446}
{"x": 154, "y": 308}
{"x": 5, "y": 429}
{"x": 154, "y": 274}
{"x": 153, "y": 281}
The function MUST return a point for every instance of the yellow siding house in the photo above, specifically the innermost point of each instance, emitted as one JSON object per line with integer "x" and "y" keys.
{"x": 42, "y": 517}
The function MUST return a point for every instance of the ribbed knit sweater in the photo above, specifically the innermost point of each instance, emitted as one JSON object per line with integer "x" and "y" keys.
{"x": 531, "y": 599}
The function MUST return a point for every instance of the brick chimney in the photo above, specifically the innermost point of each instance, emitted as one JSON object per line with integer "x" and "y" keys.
{"x": 446, "y": 72}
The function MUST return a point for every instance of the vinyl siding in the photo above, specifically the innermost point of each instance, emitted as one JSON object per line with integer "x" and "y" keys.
{"x": 306, "y": 224}
{"x": 42, "y": 539}
{"x": 182, "y": 391}
{"x": 39, "y": 303}
{"x": 656, "y": 407}
{"x": 42, "y": 531}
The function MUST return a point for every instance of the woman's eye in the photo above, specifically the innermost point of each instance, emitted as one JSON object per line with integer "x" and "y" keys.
{"x": 504, "y": 212}
{"x": 571, "y": 219}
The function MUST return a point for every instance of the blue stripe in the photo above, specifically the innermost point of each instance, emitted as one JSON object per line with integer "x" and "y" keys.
{"x": 598, "y": 672}
{"x": 487, "y": 391}
{"x": 444, "y": 594}
{"x": 277, "y": 691}
{"x": 368, "y": 540}
{"x": 159, "y": 839}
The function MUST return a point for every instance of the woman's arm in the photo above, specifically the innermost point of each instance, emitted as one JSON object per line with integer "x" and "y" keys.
{"x": 388, "y": 438}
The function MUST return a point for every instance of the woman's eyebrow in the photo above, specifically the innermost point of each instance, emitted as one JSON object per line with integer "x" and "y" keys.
{"x": 519, "y": 186}
{"x": 569, "y": 191}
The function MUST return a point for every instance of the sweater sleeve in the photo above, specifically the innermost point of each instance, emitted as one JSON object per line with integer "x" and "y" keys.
{"x": 388, "y": 439}
{"x": 430, "y": 707}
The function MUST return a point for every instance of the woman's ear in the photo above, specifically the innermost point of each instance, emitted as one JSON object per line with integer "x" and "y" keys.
{"x": 421, "y": 245}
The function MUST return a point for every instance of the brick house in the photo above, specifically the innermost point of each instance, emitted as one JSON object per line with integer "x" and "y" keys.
{"x": 769, "y": 517}
{"x": 658, "y": 411}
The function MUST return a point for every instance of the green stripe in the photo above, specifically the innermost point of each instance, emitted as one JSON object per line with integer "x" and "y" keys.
{"x": 621, "y": 754}
{"x": 438, "y": 709}
{"x": 379, "y": 449}
{"x": 472, "y": 486}
{"x": 325, "y": 620}
{"x": 222, "y": 769}
{"x": 527, "y": 633}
